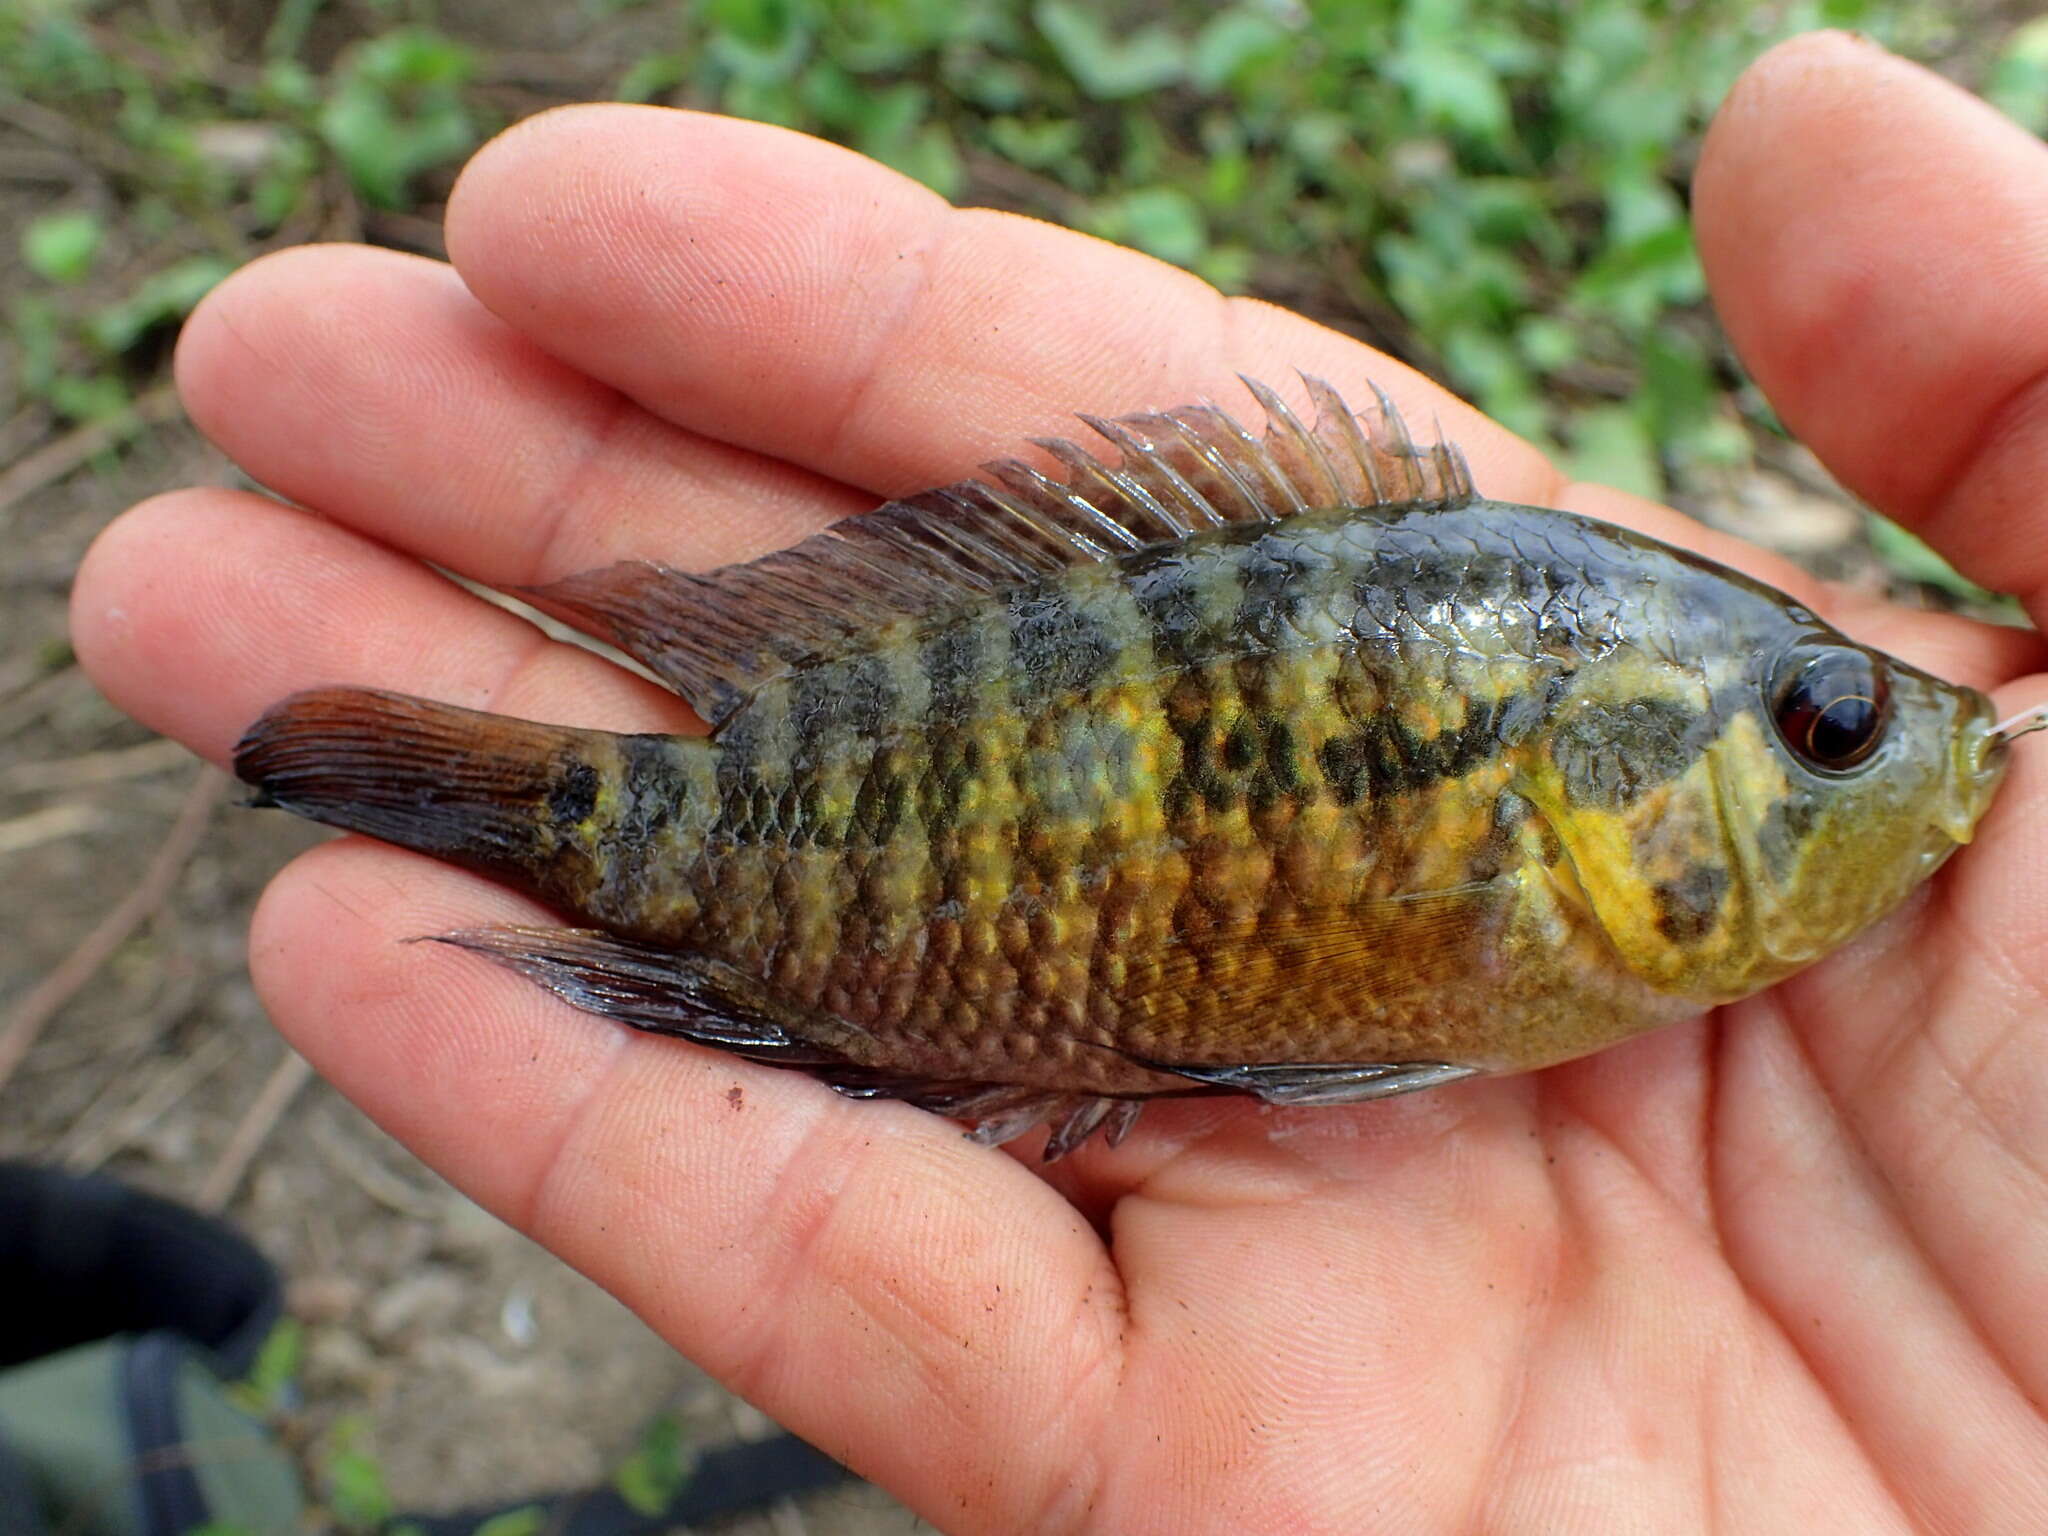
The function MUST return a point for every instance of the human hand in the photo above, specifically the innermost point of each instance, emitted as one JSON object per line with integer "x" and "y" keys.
{"x": 1781, "y": 1264}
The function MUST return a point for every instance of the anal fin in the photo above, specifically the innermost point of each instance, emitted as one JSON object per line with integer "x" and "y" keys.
{"x": 1295, "y": 1083}
{"x": 662, "y": 991}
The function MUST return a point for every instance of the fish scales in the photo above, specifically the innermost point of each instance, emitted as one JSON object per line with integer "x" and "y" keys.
{"x": 1313, "y": 802}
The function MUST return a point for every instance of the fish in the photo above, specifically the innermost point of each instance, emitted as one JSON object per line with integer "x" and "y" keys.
{"x": 1277, "y": 763}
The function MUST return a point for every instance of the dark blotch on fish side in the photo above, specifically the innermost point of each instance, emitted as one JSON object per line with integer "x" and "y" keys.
{"x": 1611, "y": 754}
{"x": 1167, "y": 587}
{"x": 1055, "y": 649}
{"x": 951, "y": 656}
{"x": 1688, "y": 906}
{"x": 654, "y": 788}
{"x": 574, "y": 795}
{"x": 1385, "y": 758}
{"x": 1782, "y": 834}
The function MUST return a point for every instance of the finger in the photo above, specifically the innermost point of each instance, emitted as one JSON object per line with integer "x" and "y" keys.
{"x": 1875, "y": 238}
{"x": 922, "y": 1308}
{"x": 790, "y": 296}
{"x": 198, "y": 610}
{"x": 372, "y": 386}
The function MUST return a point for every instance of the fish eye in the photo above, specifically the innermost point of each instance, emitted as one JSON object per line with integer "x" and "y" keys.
{"x": 1831, "y": 705}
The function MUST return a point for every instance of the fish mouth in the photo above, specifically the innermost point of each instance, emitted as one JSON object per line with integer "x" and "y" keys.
{"x": 1979, "y": 764}
{"x": 2025, "y": 723}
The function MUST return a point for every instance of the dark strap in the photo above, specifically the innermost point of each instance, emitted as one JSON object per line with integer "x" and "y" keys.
{"x": 87, "y": 1258}
{"x": 167, "y": 1491}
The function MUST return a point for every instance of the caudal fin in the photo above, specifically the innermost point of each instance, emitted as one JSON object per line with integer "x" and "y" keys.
{"x": 539, "y": 806}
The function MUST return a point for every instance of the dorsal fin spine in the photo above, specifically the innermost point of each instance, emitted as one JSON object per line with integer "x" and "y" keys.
{"x": 1330, "y": 407}
{"x": 1304, "y": 441}
{"x": 1404, "y": 445}
{"x": 1187, "y": 425}
{"x": 1033, "y": 485}
{"x": 1143, "y": 451}
{"x": 1285, "y": 496}
{"x": 1116, "y": 481}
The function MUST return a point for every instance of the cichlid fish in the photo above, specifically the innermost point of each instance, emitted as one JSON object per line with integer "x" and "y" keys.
{"x": 1274, "y": 764}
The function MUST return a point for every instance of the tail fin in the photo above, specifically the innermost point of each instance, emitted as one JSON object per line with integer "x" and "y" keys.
{"x": 531, "y": 804}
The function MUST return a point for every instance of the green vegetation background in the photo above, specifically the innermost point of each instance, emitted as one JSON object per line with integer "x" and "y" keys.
{"x": 1492, "y": 189}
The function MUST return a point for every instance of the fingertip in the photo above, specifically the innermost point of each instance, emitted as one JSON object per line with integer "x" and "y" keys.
{"x": 128, "y": 636}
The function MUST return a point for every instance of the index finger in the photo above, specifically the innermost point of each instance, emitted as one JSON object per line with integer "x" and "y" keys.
{"x": 775, "y": 291}
{"x": 1895, "y": 310}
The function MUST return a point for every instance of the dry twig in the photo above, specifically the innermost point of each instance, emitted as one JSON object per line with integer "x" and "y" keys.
{"x": 90, "y": 1148}
{"x": 28, "y": 1017}
{"x": 54, "y": 460}
{"x": 111, "y": 767}
{"x": 275, "y": 1097}
{"x": 363, "y": 1170}
{"x": 52, "y": 824}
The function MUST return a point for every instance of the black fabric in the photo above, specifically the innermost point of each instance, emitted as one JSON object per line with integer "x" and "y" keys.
{"x": 86, "y": 1258}
{"x": 728, "y": 1480}
{"x": 167, "y": 1490}
{"x": 20, "y": 1514}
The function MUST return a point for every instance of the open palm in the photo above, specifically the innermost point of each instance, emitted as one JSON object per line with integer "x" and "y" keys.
{"x": 1785, "y": 1264}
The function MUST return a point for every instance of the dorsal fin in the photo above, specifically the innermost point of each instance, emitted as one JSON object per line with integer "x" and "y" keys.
{"x": 715, "y": 638}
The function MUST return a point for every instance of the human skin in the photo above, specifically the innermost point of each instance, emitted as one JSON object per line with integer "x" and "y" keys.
{"x": 1777, "y": 1269}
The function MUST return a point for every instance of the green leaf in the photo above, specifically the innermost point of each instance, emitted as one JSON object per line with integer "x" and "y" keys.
{"x": 398, "y": 110}
{"x": 37, "y": 324}
{"x": 1610, "y": 445}
{"x": 1487, "y": 365}
{"x": 157, "y": 300}
{"x": 657, "y": 1470}
{"x": 1231, "y": 41}
{"x": 61, "y": 246}
{"x": 652, "y": 76}
{"x": 1162, "y": 221}
{"x": 2018, "y": 83}
{"x": 929, "y": 156}
{"x": 1228, "y": 268}
{"x": 58, "y": 57}
{"x": 89, "y": 396}
{"x": 1910, "y": 558}
{"x": 268, "y": 1386}
{"x": 1452, "y": 89}
{"x": 1038, "y": 146}
{"x": 355, "y": 1479}
{"x": 288, "y": 27}
{"x": 530, "y": 1521}
{"x": 1546, "y": 343}
{"x": 1108, "y": 68}
{"x": 760, "y": 42}
{"x": 222, "y": 1528}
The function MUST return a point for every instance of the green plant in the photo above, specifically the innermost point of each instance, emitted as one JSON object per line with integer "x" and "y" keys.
{"x": 355, "y": 1492}
{"x": 654, "y": 1473}
{"x": 397, "y": 108}
{"x": 272, "y": 1380}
